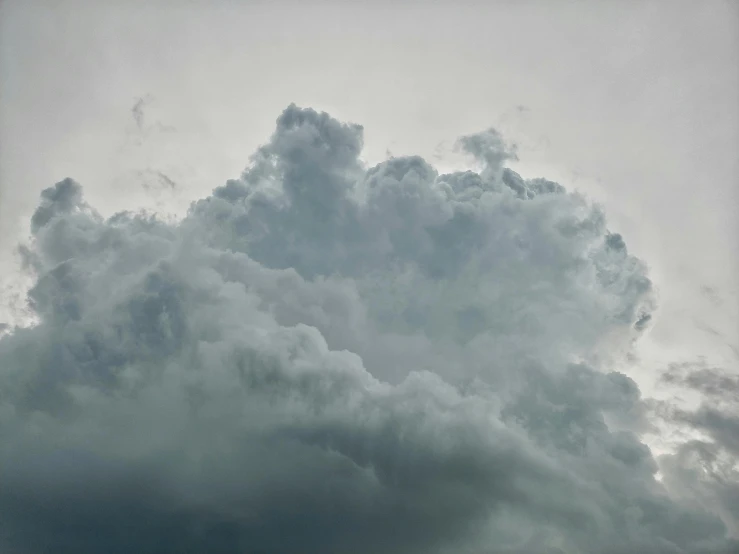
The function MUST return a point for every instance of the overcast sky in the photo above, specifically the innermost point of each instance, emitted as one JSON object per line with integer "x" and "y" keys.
{"x": 634, "y": 104}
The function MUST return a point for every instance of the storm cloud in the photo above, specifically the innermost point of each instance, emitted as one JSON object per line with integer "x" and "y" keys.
{"x": 327, "y": 357}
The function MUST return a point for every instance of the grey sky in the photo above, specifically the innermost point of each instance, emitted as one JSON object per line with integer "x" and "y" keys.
{"x": 634, "y": 104}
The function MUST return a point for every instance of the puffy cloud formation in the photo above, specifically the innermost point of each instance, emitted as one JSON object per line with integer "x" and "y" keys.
{"x": 323, "y": 357}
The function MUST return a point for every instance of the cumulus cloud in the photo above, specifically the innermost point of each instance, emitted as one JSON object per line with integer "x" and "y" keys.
{"x": 327, "y": 357}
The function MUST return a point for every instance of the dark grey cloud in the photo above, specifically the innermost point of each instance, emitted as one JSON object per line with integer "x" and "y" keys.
{"x": 705, "y": 468}
{"x": 705, "y": 472}
{"x": 714, "y": 382}
{"x": 721, "y": 425}
{"x": 325, "y": 357}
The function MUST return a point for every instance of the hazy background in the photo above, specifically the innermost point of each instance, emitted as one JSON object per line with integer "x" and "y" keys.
{"x": 634, "y": 103}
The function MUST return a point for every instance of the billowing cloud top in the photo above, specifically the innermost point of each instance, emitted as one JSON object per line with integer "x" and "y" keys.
{"x": 322, "y": 357}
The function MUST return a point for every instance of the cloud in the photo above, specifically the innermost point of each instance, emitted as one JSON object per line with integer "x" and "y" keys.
{"x": 137, "y": 111}
{"x": 713, "y": 382}
{"x": 717, "y": 414}
{"x": 325, "y": 357}
{"x": 705, "y": 472}
{"x": 705, "y": 468}
{"x": 142, "y": 117}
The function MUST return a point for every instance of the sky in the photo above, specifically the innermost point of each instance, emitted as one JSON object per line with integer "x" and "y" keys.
{"x": 326, "y": 297}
